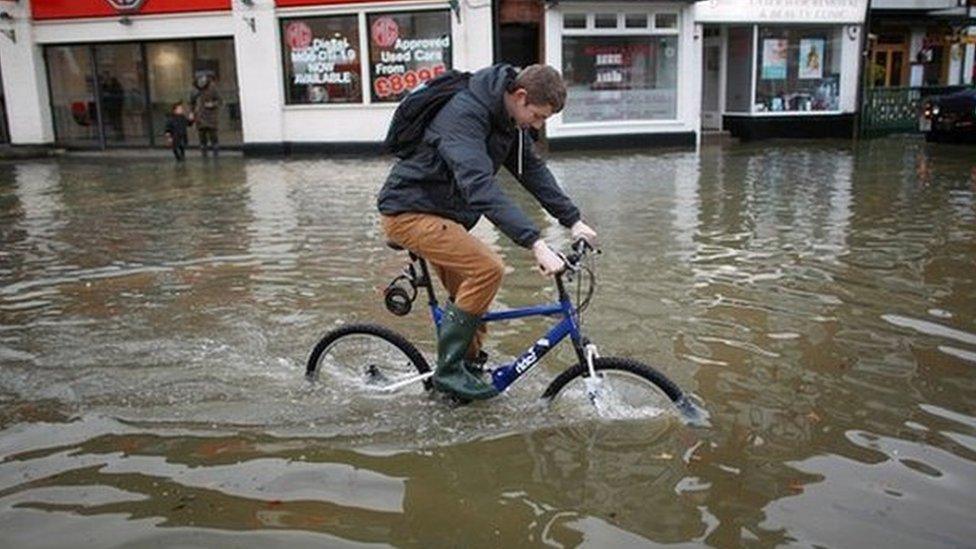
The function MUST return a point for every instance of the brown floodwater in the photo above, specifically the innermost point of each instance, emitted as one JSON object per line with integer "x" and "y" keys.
{"x": 818, "y": 298}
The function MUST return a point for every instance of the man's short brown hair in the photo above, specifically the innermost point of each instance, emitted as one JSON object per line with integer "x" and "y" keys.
{"x": 543, "y": 86}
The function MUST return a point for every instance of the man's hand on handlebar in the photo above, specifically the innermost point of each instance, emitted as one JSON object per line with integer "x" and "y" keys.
{"x": 549, "y": 261}
{"x": 582, "y": 230}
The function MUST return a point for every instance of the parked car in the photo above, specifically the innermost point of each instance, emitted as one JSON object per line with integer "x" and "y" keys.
{"x": 950, "y": 117}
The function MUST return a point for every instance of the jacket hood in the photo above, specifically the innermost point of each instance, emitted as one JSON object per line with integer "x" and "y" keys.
{"x": 488, "y": 86}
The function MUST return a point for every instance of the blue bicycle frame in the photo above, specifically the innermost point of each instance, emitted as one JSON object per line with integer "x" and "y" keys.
{"x": 504, "y": 376}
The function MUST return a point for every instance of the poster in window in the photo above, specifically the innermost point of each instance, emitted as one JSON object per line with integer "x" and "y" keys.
{"x": 774, "y": 59}
{"x": 811, "y": 58}
{"x": 322, "y": 60}
{"x": 406, "y": 50}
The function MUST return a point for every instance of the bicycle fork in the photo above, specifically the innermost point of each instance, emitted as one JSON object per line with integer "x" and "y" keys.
{"x": 594, "y": 384}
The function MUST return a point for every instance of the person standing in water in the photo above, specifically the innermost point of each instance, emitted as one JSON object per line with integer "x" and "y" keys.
{"x": 206, "y": 109}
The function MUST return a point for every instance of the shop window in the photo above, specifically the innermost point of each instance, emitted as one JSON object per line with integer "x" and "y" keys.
{"x": 574, "y": 21}
{"x": 605, "y": 21}
{"x": 635, "y": 21}
{"x": 322, "y": 60}
{"x": 798, "y": 69}
{"x": 122, "y": 93}
{"x": 74, "y": 102}
{"x": 738, "y": 89}
{"x": 405, "y": 50}
{"x": 617, "y": 78}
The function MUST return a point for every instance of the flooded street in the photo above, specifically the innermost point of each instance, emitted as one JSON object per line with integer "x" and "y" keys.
{"x": 818, "y": 298}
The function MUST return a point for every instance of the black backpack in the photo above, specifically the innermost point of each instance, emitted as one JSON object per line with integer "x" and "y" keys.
{"x": 418, "y": 109}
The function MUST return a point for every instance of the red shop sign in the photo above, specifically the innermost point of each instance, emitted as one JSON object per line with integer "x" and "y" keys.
{"x": 73, "y": 9}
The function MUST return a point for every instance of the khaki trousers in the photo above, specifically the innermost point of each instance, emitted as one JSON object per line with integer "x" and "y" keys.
{"x": 469, "y": 270}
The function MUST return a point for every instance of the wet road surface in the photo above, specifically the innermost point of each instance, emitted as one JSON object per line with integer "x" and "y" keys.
{"x": 818, "y": 297}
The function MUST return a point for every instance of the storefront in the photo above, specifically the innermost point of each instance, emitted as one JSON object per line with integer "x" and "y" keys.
{"x": 774, "y": 68}
{"x": 631, "y": 70}
{"x": 114, "y": 68}
{"x": 922, "y": 44}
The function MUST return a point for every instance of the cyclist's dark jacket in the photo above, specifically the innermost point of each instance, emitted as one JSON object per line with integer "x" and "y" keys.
{"x": 452, "y": 173}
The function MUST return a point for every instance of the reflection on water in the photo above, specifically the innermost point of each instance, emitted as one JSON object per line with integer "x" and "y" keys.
{"x": 819, "y": 298}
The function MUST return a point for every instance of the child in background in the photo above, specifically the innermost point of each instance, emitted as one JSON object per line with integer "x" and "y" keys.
{"x": 176, "y": 131}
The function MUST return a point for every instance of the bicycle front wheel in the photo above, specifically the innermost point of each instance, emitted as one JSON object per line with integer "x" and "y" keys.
{"x": 624, "y": 389}
{"x": 366, "y": 357}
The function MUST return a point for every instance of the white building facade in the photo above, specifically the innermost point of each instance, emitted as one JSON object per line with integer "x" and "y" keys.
{"x": 299, "y": 75}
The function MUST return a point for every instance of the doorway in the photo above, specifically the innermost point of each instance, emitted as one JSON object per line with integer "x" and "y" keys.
{"x": 712, "y": 78}
{"x": 519, "y": 44}
{"x": 889, "y": 67}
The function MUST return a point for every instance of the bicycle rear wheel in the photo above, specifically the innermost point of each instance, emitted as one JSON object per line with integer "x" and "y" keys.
{"x": 625, "y": 389}
{"x": 366, "y": 357}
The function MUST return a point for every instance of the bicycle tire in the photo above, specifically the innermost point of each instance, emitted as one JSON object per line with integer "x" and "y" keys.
{"x": 626, "y": 365}
{"x": 375, "y": 330}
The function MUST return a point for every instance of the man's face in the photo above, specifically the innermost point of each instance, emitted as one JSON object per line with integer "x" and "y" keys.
{"x": 527, "y": 115}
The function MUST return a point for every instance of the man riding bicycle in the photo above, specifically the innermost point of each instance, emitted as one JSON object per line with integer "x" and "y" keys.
{"x": 436, "y": 194}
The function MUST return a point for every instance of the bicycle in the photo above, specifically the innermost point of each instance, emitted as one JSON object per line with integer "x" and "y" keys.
{"x": 603, "y": 381}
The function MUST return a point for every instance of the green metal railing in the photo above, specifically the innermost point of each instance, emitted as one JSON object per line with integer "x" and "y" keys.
{"x": 896, "y": 110}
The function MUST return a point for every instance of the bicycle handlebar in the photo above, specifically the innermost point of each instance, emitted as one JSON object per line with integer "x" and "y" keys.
{"x": 580, "y": 249}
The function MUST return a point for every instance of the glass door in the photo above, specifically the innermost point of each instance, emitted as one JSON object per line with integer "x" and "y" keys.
{"x": 122, "y": 94}
{"x": 215, "y": 57}
{"x": 170, "y": 80}
{"x": 74, "y": 106}
{"x": 889, "y": 68}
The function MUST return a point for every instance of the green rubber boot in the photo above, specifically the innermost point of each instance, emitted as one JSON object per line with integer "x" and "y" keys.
{"x": 476, "y": 365}
{"x": 457, "y": 329}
